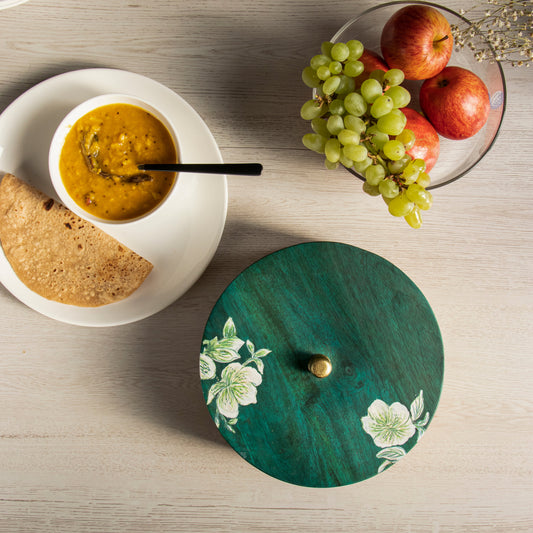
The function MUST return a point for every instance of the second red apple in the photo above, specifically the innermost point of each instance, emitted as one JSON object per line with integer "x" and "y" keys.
{"x": 371, "y": 61}
{"x": 427, "y": 144}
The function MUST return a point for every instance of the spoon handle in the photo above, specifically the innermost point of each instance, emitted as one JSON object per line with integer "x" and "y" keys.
{"x": 243, "y": 169}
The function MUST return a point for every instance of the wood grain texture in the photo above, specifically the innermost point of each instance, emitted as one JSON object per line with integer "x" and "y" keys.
{"x": 105, "y": 430}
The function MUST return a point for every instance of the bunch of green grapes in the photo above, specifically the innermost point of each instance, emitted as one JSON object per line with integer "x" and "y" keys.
{"x": 364, "y": 128}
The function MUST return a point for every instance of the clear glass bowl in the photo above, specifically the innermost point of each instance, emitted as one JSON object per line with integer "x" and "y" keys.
{"x": 456, "y": 157}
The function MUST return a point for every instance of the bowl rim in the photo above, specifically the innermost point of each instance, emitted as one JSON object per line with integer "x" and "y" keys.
{"x": 64, "y": 128}
{"x": 464, "y": 19}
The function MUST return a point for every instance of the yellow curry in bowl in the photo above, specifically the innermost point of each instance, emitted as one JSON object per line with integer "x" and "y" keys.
{"x": 99, "y": 158}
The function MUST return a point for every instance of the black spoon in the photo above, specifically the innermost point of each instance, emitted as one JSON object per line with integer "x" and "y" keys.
{"x": 242, "y": 169}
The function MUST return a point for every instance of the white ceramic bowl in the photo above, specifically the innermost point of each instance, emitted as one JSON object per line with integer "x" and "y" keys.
{"x": 65, "y": 126}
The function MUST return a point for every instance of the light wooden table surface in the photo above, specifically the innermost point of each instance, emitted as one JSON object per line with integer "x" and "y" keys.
{"x": 106, "y": 429}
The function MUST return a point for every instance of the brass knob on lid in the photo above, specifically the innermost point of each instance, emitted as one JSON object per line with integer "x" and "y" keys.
{"x": 320, "y": 366}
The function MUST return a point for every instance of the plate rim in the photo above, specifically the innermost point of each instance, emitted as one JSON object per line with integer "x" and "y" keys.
{"x": 5, "y": 4}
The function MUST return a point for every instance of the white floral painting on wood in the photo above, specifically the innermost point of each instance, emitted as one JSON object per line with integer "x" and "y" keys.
{"x": 391, "y": 426}
{"x": 237, "y": 383}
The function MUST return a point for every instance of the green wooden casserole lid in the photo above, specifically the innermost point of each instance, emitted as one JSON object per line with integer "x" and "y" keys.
{"x": 322, "y": 364}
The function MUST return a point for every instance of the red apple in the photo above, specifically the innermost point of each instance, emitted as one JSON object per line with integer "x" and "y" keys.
{"x": 417, "y": 39}
{"x": 456, "y": 102}
{"x": 371, "y": 61}
{"x": 427, "y": 144}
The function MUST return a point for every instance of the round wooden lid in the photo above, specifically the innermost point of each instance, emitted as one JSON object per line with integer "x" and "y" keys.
{"x": 322, "y": 364}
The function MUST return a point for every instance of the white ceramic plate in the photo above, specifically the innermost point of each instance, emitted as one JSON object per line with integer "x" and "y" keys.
{"x": 180, "y": 240}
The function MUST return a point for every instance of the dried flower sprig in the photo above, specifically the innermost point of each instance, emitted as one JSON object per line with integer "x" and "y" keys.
{"x": 504, "y": 32}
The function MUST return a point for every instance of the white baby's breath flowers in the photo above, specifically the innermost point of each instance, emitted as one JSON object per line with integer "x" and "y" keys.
{"x": 499, "y": 30}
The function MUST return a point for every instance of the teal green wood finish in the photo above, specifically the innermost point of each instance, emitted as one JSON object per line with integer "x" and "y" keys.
{"x": 371, "y": 321}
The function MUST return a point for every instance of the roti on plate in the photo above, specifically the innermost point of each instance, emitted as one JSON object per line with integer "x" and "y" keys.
{"x": 61, "y": 256}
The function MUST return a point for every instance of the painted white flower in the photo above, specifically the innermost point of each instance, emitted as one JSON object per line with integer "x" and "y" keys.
{"x": 388, "y": 425}
{"x": 237, "y": 386}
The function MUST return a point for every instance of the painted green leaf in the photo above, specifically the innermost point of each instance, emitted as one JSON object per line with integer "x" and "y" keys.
{"x": 208, "y": 368}
{"x": 417, "y": 407}
{"x": 259, "y": 364}
{"x": 263, "y": 352}
{"x": 250, "y": 346}
{"x": 208, "y": 343}
{"x": 224, "y": 350}
{"x": 394, "y": 453}
{"x": 384, "y": 465}
{"x": 423, "y": 422}
{"x": 229, "y": 328}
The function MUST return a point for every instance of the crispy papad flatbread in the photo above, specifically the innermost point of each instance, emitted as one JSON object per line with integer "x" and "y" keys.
{"x": 61, "y": 256}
